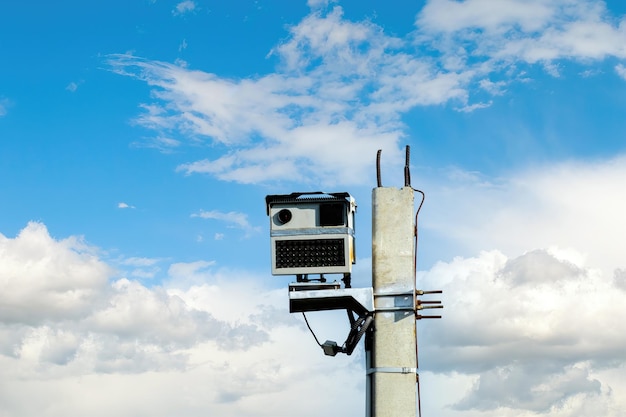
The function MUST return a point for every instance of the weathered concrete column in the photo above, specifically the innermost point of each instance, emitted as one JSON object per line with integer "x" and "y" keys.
{"x": 393, "y": 360}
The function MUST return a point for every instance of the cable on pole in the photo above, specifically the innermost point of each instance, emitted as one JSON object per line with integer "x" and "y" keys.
{"x": 407, "y": 183}
{"x": 311, "y": 330}
{"x": 358, "y": 327}
{"x": 419, "y": 399}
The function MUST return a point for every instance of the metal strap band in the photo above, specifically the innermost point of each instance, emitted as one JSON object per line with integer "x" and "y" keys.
{"x": 392, "y": 370}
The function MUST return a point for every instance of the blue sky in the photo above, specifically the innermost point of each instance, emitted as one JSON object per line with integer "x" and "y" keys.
{"x": 139, "y": 139}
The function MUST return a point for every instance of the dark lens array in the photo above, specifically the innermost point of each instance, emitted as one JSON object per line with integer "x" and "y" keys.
{"x": 310, "y": 253}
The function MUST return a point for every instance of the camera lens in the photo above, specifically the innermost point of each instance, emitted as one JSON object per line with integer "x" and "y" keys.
{"x": 284, "y": 216}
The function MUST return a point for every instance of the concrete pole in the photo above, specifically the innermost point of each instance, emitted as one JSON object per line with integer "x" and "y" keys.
{"x": 392, "y": 361}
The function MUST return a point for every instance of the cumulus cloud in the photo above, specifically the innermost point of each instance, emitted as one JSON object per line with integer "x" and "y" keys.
{"x": 44, "y": 279}
{"x": 156, "y": 318}
{"x": 533, "y": 331}
{"x": 60, "y": 304}
{"x": 202, "y": 343}
{"x": 531, "y": 391}
{"x": 619, "y": 278}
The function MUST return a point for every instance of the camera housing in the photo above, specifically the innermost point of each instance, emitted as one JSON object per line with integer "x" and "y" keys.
{"x": 311, "y": 233}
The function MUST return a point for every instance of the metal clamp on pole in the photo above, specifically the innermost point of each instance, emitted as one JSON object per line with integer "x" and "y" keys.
{"x": 403, "y": 301}
{"x": 395, "y": 301}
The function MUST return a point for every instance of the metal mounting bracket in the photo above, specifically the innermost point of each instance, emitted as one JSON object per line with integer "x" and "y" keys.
{"x": 359, "y": 300}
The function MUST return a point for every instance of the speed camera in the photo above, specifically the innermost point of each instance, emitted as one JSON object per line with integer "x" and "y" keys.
{"x": 311, "y": 233}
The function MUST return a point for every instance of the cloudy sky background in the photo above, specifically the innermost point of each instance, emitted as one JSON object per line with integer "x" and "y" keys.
{"x": 137, "y": 143}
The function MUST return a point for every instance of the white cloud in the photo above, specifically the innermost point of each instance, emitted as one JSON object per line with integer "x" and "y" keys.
{"x": 318, "y": 3}
{"x": 158, "y": 320}
{"x": 576, "y": 205}
{"x": 471, "y": 107}
{"x": 4, "y": 104}
{"x": 42, "y": 279}
{"x": 454, "y": 16}
{"x": 236, "y": 219}
{"x": 57, "y": 295}
{"x": 496, "y": 88}
{"x": 161, "y": 143}
{"x": 531, "y": 31}
{"x": 123, "y": 205}
{"x": 531, "y": 331}
{"x": 621, "y": 70}
{"x": 191, "y": 272}
{"x": 140, "y": 262}
{"x": 140, "y": 268}
{"x": 184, "y": 7}
{"x": 72, "y": 87}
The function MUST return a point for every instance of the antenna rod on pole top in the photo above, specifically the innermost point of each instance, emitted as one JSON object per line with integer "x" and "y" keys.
{"x": 407, "y": 170}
